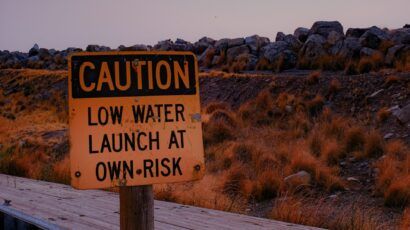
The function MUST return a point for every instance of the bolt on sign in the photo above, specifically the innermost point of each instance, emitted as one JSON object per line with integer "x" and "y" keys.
{"x": 134, "y": 119}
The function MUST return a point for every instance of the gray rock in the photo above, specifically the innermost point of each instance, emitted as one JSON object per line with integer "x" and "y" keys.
{"x": 165, "y": 45}
{"x": 256, "y": 42}
{"x": 388, "y": 136}
{"x": 279, "y": 36}
{"x": 235, "y": 51}
{"x": 356, "y": 32}
{"x": 138, "y": 47}
{"x": 401, "y": 36}
{"x": 301, "y": 177}
{"x": 313, "y": 47}
{"x": 97, "y": 48}
{"x": 272, "y": 51}
{"x": 347, "y": 48}
{"x": 394, "y": 108}
{"x": 34, "y": 50}
{"x": 373, "y": 95}
{"x": 293, "y": 42}
{"x": 392, "y": 53}
{"x": 202, "y": 44}
{"x": 368, "y": 52}
{"x": 301, "y": 34}
{"x": 373, "y": 37}
{"x": 403, "y": 114}
{"x": 353, "y": 179}
{"x": 208, "y": 53}
{"x": 323, "y": 28}
{"x": 334, "y": 37}
{"x": 227, "y": 43}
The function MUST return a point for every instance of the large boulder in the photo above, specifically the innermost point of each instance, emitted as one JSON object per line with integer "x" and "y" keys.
{"x": 202, "y": 44}
{"x": 256, "y": 42}
{"x": 301, "y": 34}
{"x": 164, "y": 45}
{"x": 34, "y": 50}
{"x": 226, "y": 43}
{"x": 280, "y": 53}
{"x": 356, "y": 32}
{"x": 293, "y": 43}
{"x": 138, "y": 47}
{"x": 313, "y": 47}
{"x": 205, "y": 59}
{"x": 273, "y": 50}
{"x": 279, "y": 36}
{"x": 97, "y": 48}
{"x": 401, "y": 36}
{"x": 373, "y": 37}
{"x": 323, "y": 28}
{"x": 334, "y": 37}
{"x": 347, "y": 48}
{"x": 235, "y": 51}
{"x": 393, "y": 53}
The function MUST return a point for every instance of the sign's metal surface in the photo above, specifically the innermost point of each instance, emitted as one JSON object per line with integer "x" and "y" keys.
{"x": 134, "y": 119}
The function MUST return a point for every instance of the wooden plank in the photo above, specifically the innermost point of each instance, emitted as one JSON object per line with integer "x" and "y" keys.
{"x": 136, "y": 207}
{"x": 95, "y": 209}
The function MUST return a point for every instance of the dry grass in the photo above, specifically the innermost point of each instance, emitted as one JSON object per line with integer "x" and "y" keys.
{"x": 405, "y": 222}
{"x": 372, "y": 63}
{"x": 313, "y": 77}
{"x": 323, "y": 214}
{"x": 393, "y": 179}
{"x": 248, "y": 154}
{"x": 383, "y": 114}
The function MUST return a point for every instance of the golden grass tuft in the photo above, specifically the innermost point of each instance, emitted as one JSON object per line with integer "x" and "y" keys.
{"x": 354, "y": 140}
{"x": 372, "y": 63}
{"x": 374, "y": 145}
{"x": 393, "y": 178}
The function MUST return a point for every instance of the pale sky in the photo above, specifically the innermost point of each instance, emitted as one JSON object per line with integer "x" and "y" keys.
{"x": 75, "y": 23}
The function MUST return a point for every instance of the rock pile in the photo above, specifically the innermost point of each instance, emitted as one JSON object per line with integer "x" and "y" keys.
{"x": 306, "y": 48}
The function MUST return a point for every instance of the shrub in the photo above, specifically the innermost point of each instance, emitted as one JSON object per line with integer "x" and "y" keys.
{"x": 217, "y": 132}
{"x": 354, "y": 140}
{"x": 332, "y": 152}
{"x": 398, "y": 193}
{"x": 211, "y": 107}
{"x": 223, "y": 116}
{"x": 374, "y": 145}
{"x": 315, "y": 105}
{"x": 267, "y": 185}
{"x": 367, "y": 64}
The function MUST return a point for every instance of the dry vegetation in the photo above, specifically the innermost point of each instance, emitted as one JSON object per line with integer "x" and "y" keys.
{"x": 250, "y": 153}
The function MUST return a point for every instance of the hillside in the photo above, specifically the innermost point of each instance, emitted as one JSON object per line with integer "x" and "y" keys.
{"x": 299, "y": 146}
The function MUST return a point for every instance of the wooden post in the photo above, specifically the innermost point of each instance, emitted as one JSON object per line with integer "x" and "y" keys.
{"x": 136, "y": 208}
